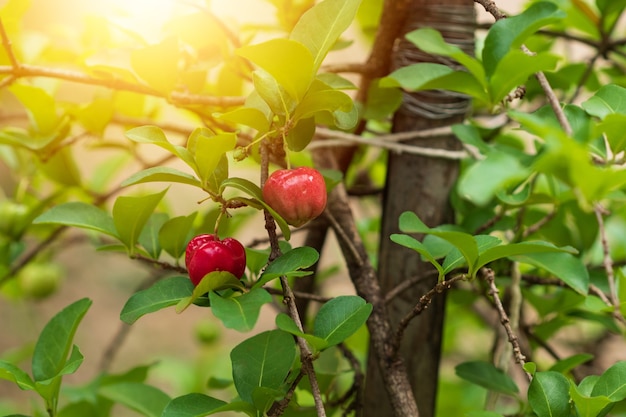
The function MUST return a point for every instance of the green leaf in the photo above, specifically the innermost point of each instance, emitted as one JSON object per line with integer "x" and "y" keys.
{"x": 548, "y": 394}
{"x": 609, "y": 99}
{"x": 158, "y": 64}
{"x": 10, "y": 372}
{"x": 320, "y": 27}
{"x": 263, "y": 360}
{"x": 612, "y": 383}
{"x": 40, "y": 107}
{"x": 486, "y": 375}
{"x": 193, "y": 405}
{"x": 55, "y": 341}
{"x": 273, "y": 94}
{"x": 416, "y": 245}
{"x": 176, "y": 233}
{"x": 154, "y": 135}
{"x": 515, "y": 68}
{"x": 430, "y": 40}
{"x": 286, "y": 324}
{"x": 78, "y": 214}
{"x": 301, "y": 134}
{"x": 239, "y": 312}
{"x": 161, "y": 174}
{"x": 517, "y": 249}
{"x": 61, "y": 167}
{"x": 209, "y": 151}
{"x": 248, "y": 116}
{"x": 410, "y": 223}
{"x": 510, "y": 33}
{"x": 213, "y": 281}
{"x": 164, "y": 293}
{"x": 565, "y": 266}
{"x": 145, "y": 399}
{"x": 589, "y": 406}
{"x": 149, "y": 237}
{"x": 340, "y": 318}
{"x": 288, "y": 61}
{"x": 130, "y": 214}
{"x": 485, "y": 178}
{"x": 289, "y": 264}
{"x": 567, "y": 364}
{"x": 613, "y": 127}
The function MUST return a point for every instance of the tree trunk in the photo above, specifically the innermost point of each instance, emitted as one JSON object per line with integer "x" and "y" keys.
{"x": 422, "y": 185}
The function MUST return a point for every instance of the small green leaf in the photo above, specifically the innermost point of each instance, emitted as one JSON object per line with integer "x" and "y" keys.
{"x": 340, "y": 318}
{"x": 273, "y": 94}
{"x": 164, "y": 293}
{"x": 548, "y": 394}
{"x": 145, "y": 399}
{"x": 209, "y": 151}
{"x": 289, "y": 264}
{"x": 301, "y": 134}
{"x": 176, "y": 233}
{"x": 517, "y": 249}
{"x": 263, "y": 360}
{"x": 569, "y": 363}
{"x": 149, "y": 237}
{"x": 10, "y": 372}
{"x": 612, "y": 383}
{"x": 193, "y": 405}
{"x": 416, "y": 245}
{"x": 563, "y": 265}
{"x": 130, "y": 215}
{"x": 609, "y": 99}
{"x": 288, "y": 61}
{"x": 78, "y": 214}
{"x": 161, "y": 174}
{"x": 154, "y": 135}
{"x": 486, "y": 375}
{"x": 40, "y": 106}
{"x": 320, "y": 27}
{"x": 213, "y": 281}
{"x": 248, "y": 116}
{"x": 410, "y": 223}
{"x": 510, "y": 33}
{"x": 286, "y": 324}
{"x": 55, "y": 341}
{"x": 239, "y": 312}
{"x": 589, "y": 406}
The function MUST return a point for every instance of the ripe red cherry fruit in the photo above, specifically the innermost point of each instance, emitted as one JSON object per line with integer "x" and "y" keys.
{"x": 298, "y": 195}
{"x": 207, "y": 253}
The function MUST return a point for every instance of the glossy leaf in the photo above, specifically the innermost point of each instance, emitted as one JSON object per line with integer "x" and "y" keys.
{"x": 510, "y": 33}
{"x": 289, "y": 264}
{"x": 161, "y": 174}
{"x": 288, "y": 61}
{"x": 239, "y": 312}
{"x": 55, "y": 341}
{"x": 340, "y": 318}
{"x": 548, "y": 394}
{"x": 301, "y": 134}
{"x": 273, "y": 94}
{"x": 149, "y": 237}
{"x": 517, "y": 249}
{"x": 213, "y": 281}
{"x": 286, "y": 324}
{"x": 40, "y": 107}
{"x": 154, "y": 135}
{"x": 484, "y": 178}
{"x": 10, "y": 372}
{"x": 78, "y": 214}
{"x": 130, "y": 215}
{"x": 589, "y": 406}
{"x": 567, "y": 364}
{"x": 166, "y": 292}
{"x": 263, "y": 360}
{"x": 487, "y": 376}
{"x": 320, "y": 27}
{"x": 209, "y": 151}
{"x": 412, "y": 243}
{"x": 147, "y": 400}
{"x": 564, "y": 266}
{"x": 199, "y": 405}
{"x": 175, "y": 234}
{"x": 248, "y": 116}
{"x": 609, "y": 99}
{"x": 612, "y": 383}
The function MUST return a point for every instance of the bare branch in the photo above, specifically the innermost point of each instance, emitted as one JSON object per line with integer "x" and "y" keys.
{"x": 8, "y": 47}
{"x": 489, "y": 276}
{"x": 607, "y": 261}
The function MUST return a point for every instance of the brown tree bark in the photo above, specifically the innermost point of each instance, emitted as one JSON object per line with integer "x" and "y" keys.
{"x": 421, "y": 185}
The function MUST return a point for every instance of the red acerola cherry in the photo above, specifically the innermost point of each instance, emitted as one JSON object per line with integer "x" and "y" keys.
{"x": 298, "y": 195}
{"x": 207, "y": 253}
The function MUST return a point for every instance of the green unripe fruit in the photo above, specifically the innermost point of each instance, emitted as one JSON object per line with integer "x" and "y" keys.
{"x": 39, "y": 280}
{"x": 13, "y": 218}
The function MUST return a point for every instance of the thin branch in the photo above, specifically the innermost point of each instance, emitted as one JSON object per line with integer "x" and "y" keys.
{"x": 421, "y": 305}
{"x": 300, "y": 295}
{"x": 8, "y": 47}
{"x": 491, "y": 8}
{"x": 607, "y": 261}
{"x": 405, "y": 285}
{"x": 539, "y": 224}
{"x": 279, "y": 407}
{"x": 175, "y": 97}
{"x": 489, "y": 276}
{"x": 389, "y": 142}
